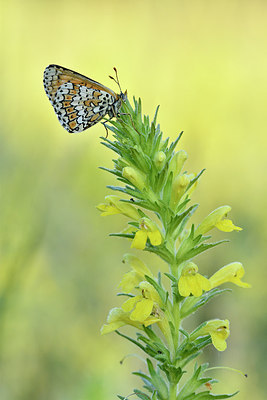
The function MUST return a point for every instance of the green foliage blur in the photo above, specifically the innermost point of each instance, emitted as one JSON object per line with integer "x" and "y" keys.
{"x": 205, "y": 63}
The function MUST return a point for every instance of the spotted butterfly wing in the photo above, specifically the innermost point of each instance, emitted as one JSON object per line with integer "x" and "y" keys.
{"x": 78, "y": 101}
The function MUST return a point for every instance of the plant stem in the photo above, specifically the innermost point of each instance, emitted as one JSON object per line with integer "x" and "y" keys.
{"x": 173, "y": 391}
{"x": 175, "y": 308}
{"x": 176, "y": 321}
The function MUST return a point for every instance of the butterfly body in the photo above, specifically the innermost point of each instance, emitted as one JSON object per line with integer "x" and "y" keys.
{"x": 79, "y": 102}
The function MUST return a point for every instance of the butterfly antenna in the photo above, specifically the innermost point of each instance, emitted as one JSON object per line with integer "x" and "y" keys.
{"x": 117, "y": 78}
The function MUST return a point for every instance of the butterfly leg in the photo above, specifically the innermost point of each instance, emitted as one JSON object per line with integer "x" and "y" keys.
{"x": 119, "y": 114}
{"x": 104, "y": 124}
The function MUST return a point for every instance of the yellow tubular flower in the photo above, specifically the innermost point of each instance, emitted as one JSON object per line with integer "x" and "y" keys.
{"x": 229, "y": 273}
{"x": 144, "y": 308}
{"x": 215, "y": 219}
{"x": 149, "y": 292}
{"x": 131, "y": 279}
{"x": 191, "y": 282}
{"x": 218, "y": 330}
{"x": 114, "y": 205}
{"x": 148, "y": 229}
{"x": 117, "y": 318}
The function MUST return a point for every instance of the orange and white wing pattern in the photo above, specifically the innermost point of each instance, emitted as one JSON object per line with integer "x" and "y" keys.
{"x": 78, "y": 101}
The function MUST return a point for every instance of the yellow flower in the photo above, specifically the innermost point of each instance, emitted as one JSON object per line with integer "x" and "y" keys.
{"x": 192, "y": 282}
{"x": 148, "y": 229}
{"x": 116, "y": 319}
{"x": 131, "y": 279}
{"x": 218, "y": 330}
{"x": 114, "y": 205}
{"x": 215, "y": 219}
{"x": 144, "y": 308}
{"x": 229, "y": 273}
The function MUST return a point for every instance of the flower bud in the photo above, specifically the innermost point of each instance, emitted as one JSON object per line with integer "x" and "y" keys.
{"x": 179, "y": 186}
{"x": 177, "y": 162}
{"x": 193, "y": 187}
{"x": 134, "y": 176}
{"x": 159, "y": 160}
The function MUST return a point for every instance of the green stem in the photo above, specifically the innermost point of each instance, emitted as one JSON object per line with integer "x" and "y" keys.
{"x": 176, "y": 322}
{"x": 176, "y": 318}
{"x": 173, "y": 392}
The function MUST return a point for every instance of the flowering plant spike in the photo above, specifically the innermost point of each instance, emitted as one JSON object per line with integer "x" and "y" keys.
{"x": 154, "y": 194}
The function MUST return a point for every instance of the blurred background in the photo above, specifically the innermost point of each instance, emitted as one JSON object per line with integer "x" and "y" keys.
{"x": 205, "y": 63}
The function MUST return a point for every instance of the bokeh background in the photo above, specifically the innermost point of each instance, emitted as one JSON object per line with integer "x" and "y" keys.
{"x": 205, "y": 63}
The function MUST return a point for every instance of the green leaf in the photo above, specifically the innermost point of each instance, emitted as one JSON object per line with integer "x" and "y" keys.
{"x": 155, "y": 115}
{"x": 193, "y": 252}
{"x": 160, "y": 179}
{"x": 188, "y": 348}
{"x": 171, "y": 277}
{"x": 174, "y": 144}
{"x": 141, "y": 395}
{"x": 193, "y": 384}
{"x": 123, "y": 235}
{"x": 191, "y": 304}
{"x": 183, "y": 223}
{"x": 158, "y": 288}
{"x": 195, "y": 179}
{"x": 198, "y": 328}
{"x": 186, "y": 334}
{"x": 209, "y": 396}
{"x": 161, "y": 251}
{"x": 111, "y": 171}
{"x": 160, "y": 351}
{"x": 189, "y": 359}
{"x": 167, "y": 189}
{"x": 142, "y": 375}
{"x": 179, "y": 218}
{"x": 173, "y": 373}
{"x": 111, "y": 147}
{"x": 117, "y": 188}
{"x": 131, "y": 340}
{"x": 125, "y": 294}
{"x": 158, "y": 381}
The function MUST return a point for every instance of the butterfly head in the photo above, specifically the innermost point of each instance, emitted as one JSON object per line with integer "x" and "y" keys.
{"x": 123, "y": 96}
{"x": 115, "y": 110}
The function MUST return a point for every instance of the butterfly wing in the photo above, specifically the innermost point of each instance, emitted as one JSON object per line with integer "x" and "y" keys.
{"x": 79, "y": 102}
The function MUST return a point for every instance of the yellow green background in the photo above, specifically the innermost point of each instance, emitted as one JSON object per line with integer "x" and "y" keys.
{"x": 205, "y": 63}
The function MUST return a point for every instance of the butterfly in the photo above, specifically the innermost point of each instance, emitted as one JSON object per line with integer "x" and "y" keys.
{"x": 78, "y": 101}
